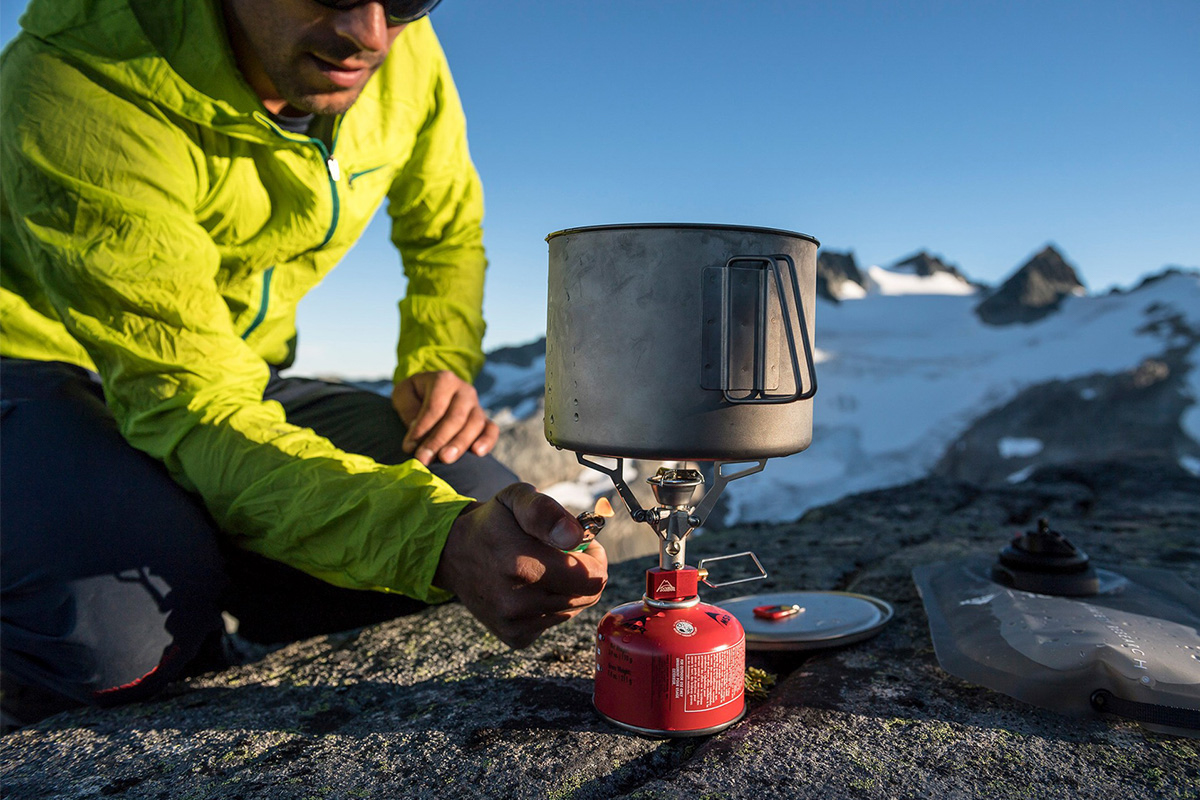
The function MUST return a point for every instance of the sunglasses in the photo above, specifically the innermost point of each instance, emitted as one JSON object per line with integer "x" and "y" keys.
{"x": 398, "y": 12}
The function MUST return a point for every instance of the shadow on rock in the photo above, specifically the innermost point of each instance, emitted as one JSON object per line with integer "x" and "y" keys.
{"x": 484, "y": 709}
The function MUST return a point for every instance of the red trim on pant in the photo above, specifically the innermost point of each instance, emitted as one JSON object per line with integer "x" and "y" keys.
{"x": 169, "y": 656}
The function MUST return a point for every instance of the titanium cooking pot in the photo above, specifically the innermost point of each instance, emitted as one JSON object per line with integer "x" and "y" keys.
{"x": 680, "y": 342}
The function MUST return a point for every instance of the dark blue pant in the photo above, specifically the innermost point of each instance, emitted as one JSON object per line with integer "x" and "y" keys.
{"x": 113, "y": 577}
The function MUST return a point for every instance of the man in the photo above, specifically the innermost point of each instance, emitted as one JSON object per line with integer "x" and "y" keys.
{"x": 176, "y": 175}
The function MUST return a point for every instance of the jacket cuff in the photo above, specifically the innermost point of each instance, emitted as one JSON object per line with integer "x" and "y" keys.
{"x": 423, "y": 573}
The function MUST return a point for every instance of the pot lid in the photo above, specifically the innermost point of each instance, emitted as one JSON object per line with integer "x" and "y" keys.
{"x": 808, "y": 620}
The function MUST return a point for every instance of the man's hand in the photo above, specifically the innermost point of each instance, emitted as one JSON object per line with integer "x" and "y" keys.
{"x": 505, "y": 561}
{"x": 443, "y": 417}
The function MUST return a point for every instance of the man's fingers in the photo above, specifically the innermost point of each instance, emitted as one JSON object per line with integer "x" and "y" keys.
{"x": 466, "y": 435}
{"x": 597, "y": 553}
{"x": 535, "y": 602}
{"x": 565, "y": 575}
{"x": 541, "y": 516}
{"x": 454, "y": 418}
{"x": 521, "y": 633}
{"x": 504, "y": 560}
{"x": 486, "y": 440}
{"x": 438, "y": 395}
{"x": 478, "y": 435}
{"x": 443, "y": 417}
{"x": 407, "y": 403}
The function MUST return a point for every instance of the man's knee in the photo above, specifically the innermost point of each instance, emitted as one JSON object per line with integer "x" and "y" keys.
{"x": 475, "y": 476}
{"x": 109, "y": 638}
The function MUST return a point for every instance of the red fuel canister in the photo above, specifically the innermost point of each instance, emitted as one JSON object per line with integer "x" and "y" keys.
{"x": 676, "y": 671}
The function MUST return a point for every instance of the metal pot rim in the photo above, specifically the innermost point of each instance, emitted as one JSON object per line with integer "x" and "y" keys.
{"x": 684, "y": 226}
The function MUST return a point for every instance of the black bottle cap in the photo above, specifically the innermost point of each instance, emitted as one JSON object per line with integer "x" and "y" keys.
{"x": 1044, "y": 561}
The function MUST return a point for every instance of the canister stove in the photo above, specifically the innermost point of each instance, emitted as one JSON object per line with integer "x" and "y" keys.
{"x": 670, "y": 665}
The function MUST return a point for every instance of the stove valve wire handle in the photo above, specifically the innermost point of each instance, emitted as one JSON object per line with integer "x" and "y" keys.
{"x": 761, "y": 573}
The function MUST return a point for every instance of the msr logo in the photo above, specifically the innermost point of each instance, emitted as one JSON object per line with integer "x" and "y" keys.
{"x": 665, "y": 586}
{"x": 685, "y": 628}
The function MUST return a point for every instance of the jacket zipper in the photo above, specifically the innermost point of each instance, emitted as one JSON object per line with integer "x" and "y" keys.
{"x": 262, "y": 303}
{"x": 334, "y": 173}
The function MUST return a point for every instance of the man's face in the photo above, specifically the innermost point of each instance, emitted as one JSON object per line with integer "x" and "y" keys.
{"x": 306, "y": 56}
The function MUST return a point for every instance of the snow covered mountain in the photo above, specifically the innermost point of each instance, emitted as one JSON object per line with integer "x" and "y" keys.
{"x": 903, "y": 377}
{"x": 839, "y": 277}
{"x": 912, "y": 380}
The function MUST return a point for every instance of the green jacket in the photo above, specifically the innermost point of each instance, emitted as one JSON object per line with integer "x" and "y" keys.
{"x": 158, "y": 227}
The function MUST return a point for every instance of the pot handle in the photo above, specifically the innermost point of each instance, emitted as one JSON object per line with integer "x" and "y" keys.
{"x": 758, "y": 395}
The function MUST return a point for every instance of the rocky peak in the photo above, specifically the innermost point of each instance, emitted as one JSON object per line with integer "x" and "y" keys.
{"x": 1033, "y": 291}
{"x": 838, "y": 275}
{"x": 923, "y": 264}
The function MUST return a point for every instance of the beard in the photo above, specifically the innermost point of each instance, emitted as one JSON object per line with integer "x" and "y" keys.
{"x": 306, "y": 88}
{"x": 304, "y": 99}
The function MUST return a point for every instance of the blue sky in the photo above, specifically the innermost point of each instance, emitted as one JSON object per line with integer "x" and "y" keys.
{"x": 979, "y": 131}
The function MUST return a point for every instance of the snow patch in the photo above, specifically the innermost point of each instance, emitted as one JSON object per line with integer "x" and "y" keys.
{"x": 1021, "y": 475}
{"x": 572, "y": 495}
{"x": 1018, "y": 447}
{"x": 890, "y": 282}
{"x": 505, "y": 418}
{"x": 1191, "y": 464}
{"x": 849, "y": 290}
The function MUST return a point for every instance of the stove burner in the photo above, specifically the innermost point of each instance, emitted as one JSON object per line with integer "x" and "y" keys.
{"x": 675, "y": 487}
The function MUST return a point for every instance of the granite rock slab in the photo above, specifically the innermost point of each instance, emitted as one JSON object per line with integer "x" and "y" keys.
{"x": 432, "y": 706}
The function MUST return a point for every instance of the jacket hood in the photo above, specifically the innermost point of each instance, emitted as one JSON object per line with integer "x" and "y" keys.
{"x": 175, "y": 53}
